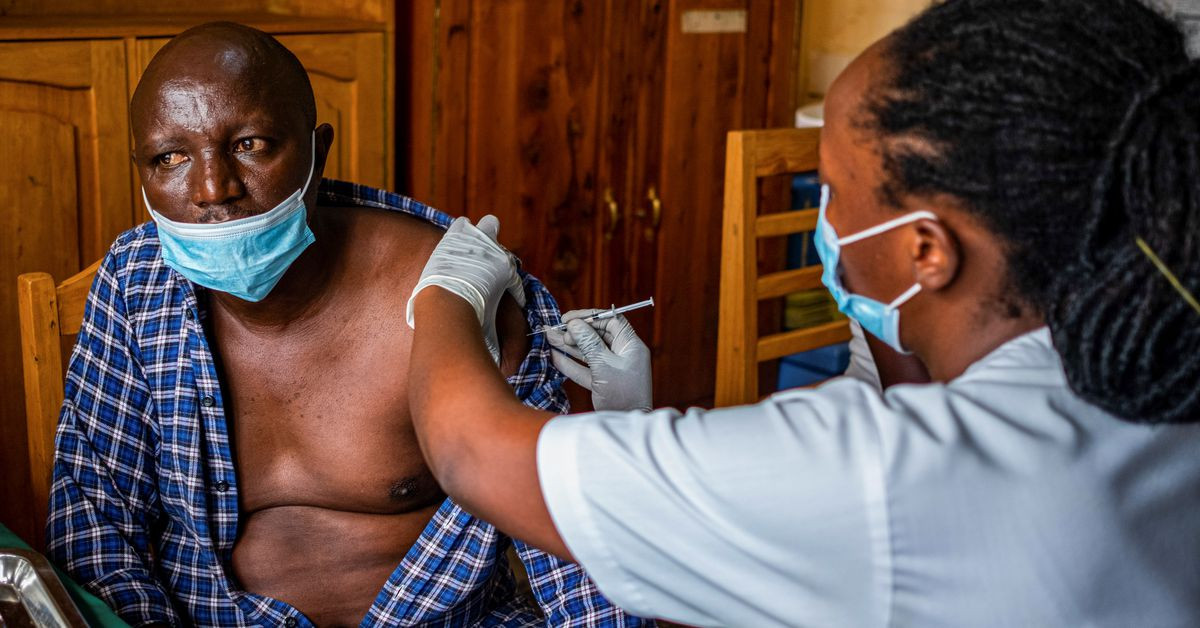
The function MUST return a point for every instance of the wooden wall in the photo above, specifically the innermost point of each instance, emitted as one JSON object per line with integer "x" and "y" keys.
{"x": 569, "y": 119}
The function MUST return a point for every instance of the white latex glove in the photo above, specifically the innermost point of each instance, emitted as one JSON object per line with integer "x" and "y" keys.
{"x": 618, "y": 362}
{"x": 470, "y": 263}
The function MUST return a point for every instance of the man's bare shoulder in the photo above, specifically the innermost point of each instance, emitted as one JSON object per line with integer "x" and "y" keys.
{"x": 392, "y": 248}
{"x": 384, "y": 248}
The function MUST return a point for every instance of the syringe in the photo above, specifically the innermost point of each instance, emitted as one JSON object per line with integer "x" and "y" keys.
{"x": 599, "y": 316}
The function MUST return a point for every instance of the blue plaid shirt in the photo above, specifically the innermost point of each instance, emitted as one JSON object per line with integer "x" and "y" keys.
{"x": 144, "y": 505}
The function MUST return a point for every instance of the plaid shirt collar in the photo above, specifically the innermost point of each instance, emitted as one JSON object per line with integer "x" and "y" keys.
{"x": 144, "y": 501}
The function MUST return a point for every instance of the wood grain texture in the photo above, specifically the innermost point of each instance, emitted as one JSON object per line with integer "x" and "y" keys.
{"x": 783, "y": 223}
{"x": 788, "y": 281}
{"x": 542, "y": 111}
{"x": 786, "y": 343}
{"x": 714, "y": 83}
{"x": 737, "y": 364}
{"x": 72, "y": 298}
{"x": 531, "y": 134}
{"x": 749, "y": 156}
{"x": 65, "y": 195}
{"x": 118, "y": 26}
{"x": 41, "y": 357}
{"x": 631, "y": 139}
{"x": 377, "y": 11}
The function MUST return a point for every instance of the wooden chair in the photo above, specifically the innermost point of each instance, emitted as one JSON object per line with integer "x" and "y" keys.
{"x": 750, "y": 156}
{"x": 50, "y": 314}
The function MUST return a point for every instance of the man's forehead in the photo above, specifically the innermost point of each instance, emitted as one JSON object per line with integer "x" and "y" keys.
{"x": 221, "y": 75}
{"x": 200, "y": 99}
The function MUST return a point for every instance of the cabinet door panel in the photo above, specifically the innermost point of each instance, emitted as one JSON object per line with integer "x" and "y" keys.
{"x": 715, "y": 83}
{"x": 631, "y": 148}
{"x": 347, "y": 75}
{"x": 64, "y": 196}
{"x": 349, "y": 83}
{"x": 531, "y": 142}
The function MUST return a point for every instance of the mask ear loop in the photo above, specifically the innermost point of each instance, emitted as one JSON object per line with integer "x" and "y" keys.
{"x": 904, "y": 298}
{"x": 887, "y": 226}
{"x": 1166, "y": 272}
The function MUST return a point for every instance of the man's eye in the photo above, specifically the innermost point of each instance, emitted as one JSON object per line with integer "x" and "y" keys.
{"x": 249, "y": 145}
{"x": 169, "y": 160}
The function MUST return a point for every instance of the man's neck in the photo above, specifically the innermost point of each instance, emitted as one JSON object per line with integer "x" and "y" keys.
{"x": 303, "y": 292}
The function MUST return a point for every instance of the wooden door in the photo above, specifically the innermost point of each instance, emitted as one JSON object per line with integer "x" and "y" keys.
{"x": 512, "y": 128}
{"x": 348, "y": 78}
{"x": 630, "y": 152}
{"x": 718, "y": 78}
{"x": 350, "y": 84}
{"x": 561, "y": 116}
{"x": 64, "y": 197}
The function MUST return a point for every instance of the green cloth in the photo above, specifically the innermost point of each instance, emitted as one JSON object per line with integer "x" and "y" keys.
{"x": 96, "y": 613}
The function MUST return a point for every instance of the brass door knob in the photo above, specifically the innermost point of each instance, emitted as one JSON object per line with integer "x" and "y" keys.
{"x": 614, "y": 214}
{"x": 655, "y": 213}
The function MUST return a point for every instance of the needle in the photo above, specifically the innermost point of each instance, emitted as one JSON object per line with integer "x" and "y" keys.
{"x": 612, "y": 312}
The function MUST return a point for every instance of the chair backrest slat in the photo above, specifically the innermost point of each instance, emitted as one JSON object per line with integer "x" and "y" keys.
{"x": 750, "y": 156}
{"x": 47, "y": 312}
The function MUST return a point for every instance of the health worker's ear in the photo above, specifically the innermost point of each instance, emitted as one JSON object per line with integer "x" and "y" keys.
{"x": 935, "y": 253}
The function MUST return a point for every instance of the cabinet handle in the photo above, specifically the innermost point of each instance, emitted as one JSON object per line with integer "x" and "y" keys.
{"x": 655, "y": 213}
{"x": 655, "y": 207}
{"x": 614, "y": 213}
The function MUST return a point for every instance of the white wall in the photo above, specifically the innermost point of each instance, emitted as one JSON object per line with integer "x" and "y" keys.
{"x": 836, "y": 31}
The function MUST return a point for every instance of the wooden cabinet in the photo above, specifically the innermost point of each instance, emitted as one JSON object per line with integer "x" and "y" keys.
{"x": 64, "y": 195}
{"x": 596, "y": 130}
{"x": 67, "y": 185}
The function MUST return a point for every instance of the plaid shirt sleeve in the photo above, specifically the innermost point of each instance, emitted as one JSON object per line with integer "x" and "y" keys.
{"x": 103, "y": 497}
{"x": 565, "y": 594}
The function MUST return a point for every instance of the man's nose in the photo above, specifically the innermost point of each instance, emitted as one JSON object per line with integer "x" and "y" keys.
{"x": 215, "y": 181}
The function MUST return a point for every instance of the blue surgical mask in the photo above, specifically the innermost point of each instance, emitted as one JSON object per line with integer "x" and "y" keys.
{"x": 245, "y": 257}
{"x": 882, "y": 320}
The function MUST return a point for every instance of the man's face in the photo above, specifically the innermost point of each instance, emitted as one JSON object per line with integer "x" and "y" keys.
{"x": 213, "y": 142}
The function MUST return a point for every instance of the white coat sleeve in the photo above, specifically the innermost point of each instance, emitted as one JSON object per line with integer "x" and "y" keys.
{"x": 764, "y": 515}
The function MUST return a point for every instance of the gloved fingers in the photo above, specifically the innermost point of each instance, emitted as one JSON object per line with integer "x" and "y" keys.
{"x": 574, "y": 371}
{"x": 458, "y": 225}
{"x": 589, "y": 342}
{"x": 574, "y": 314}
{"x": 516, "y": 287}
{"x": 623, "y": 338}
{"x": 489, "y": 225}
{"x": 600, "y": 325}
{"x": 562, "y": 341}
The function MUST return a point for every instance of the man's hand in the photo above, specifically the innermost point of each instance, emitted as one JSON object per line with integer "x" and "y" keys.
{"x": 470, "y": 263}
{"x": 618, "y": 362}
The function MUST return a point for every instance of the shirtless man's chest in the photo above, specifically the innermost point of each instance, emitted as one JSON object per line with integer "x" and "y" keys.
{"x": 333, "y": 489}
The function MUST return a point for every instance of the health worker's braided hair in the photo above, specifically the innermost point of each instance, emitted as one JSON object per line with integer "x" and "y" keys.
{"x": 1071, "y": 128}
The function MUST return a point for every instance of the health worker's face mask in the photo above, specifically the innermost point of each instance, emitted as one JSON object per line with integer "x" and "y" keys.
{"x": 245, "y": 257}
{"x": 882, "y": 320}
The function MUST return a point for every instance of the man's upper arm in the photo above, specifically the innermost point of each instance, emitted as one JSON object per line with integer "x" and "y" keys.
{"x": 104, "y": 486}
{"x": 513, "y": 330}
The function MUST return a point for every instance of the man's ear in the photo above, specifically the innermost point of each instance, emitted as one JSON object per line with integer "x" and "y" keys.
{"x": 324, "y": 135}
{"x": 936, "y": 255}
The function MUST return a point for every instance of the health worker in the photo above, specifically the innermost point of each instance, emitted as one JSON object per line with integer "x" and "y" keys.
{"x": 1012, "y": 194}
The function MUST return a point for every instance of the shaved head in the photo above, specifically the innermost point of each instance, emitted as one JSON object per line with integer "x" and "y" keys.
{"x": 234, "y": 55}
{"x": 225, "y": 126}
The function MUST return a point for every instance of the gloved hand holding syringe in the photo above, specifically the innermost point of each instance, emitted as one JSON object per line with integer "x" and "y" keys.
{"x": 612, "y": 312}
{"x": 613, "y": 362}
